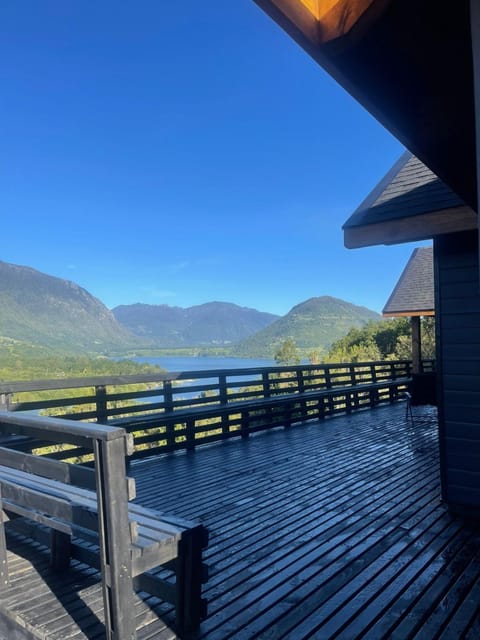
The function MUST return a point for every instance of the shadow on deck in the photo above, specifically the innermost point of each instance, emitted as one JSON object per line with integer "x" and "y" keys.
{"x": 325, "y": 530}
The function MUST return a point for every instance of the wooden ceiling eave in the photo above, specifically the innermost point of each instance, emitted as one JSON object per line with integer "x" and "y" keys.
{"x": 295, "y": 18}
{"x": 322, "y": 21}
{"x": 409, "y": 314}
{"x": 411, "y": 229}
{"x": 410, "y": 66}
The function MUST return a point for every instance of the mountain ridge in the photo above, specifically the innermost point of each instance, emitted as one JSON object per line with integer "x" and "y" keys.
{"x": 42, "y": 311}
{"x": 39, "y": 309}
{"x": 208, "y": 324}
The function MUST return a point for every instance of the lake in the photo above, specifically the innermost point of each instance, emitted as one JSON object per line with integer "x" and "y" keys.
{"x": 203, "y": 363}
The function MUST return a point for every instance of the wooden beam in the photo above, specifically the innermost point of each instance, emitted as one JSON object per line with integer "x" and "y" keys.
{"x": 294, "y": 17}
{"x": 345, "y": 19}
{"x": 414, "y": 228}
{"x": 323, "y": 21}
{"x": 408, "y": 314}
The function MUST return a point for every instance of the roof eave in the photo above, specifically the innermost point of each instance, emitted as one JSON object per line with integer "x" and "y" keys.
{"x": 409, "y": 314}
{"x": 411, "y": 229}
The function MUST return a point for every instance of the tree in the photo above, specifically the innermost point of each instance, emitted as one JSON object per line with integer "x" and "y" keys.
{"x": 287, "y": 353}
{"x": 383, "y": 340}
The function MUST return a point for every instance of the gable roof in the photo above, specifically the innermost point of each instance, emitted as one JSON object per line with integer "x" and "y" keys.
{"x": 409, "y": 203}
{"x": 413, "y": 294}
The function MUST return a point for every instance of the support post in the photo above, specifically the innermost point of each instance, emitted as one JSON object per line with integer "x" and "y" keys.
{"x": 4, "y": 579}
{"x": 167, "y": 396}
{"x": 190, "y": 608}
{"x": 114, "y": 534}
{"x": 101, "y": 404}
{"x": 475, "y": 33}
{"x": 60, "y": 550}
{"x": 416, "y": 345}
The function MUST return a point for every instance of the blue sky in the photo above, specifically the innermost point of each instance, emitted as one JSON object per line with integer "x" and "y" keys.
{"x": 182, "y": 152}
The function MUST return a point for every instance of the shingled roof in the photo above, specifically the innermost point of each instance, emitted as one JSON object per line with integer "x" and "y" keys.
{"x": 414, "y": 294}
{"x": 409, "y": 203}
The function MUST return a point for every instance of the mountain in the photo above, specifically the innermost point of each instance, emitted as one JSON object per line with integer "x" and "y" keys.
{"x": 213, "y": 323}
{"x": 315, "y": 323}
{"x": 41, "y": 310}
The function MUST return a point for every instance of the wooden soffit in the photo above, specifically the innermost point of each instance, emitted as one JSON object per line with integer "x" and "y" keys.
{"x": 408, "y": 62}
{"x": 411, "y": 229}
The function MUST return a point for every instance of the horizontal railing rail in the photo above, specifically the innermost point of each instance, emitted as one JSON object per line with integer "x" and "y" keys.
{"x": 183, "y": 409}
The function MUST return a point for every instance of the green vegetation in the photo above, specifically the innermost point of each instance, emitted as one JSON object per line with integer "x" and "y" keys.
{"x": 287, "y": 353}
{"x": 28, "y": 366}
{"x": 384, "y": 340}
{"x": 18, "y": 363}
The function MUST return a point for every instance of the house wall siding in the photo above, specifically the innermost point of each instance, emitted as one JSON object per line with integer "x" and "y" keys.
{"x": 457, "y": 302}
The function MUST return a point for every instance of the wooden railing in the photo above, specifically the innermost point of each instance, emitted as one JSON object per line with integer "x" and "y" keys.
{"x": 182, "y": 410}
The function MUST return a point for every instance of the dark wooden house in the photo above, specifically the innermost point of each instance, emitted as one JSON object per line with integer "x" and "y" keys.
{"x": 412, "y": 197}
{"x": 415, "y": 65}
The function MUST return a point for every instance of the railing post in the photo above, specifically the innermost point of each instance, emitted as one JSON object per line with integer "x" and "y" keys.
{"x": 245, "y": 424}
{"x": 4, "y": 578}
{"x": 300, "y": 381}
{"x": 190, "y": 433}
{"x": 266, "y": 384}
{"x": 222, "y": 388}
{"x": 222, "y": 392}
{"x": 114, "y": 536}
{"x": 266, "y": 390}
{"x": 353, "y": 374}
{"x": 328, "y": 385}
{"x": 393, "y": 371}
{"x": 328, "y": 378}
{"x": 101, "y": 404}
{"x": 167, "y": 396}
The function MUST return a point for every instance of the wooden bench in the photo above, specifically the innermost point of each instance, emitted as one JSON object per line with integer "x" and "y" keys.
{"x": 258, "y": 414}
{"x": 84, "y": 513}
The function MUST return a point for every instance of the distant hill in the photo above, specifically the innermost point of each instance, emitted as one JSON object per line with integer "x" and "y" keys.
{"x": 209, "y": 324}
{"x": 47, "y": 312}
{"x": 317, "y": 322}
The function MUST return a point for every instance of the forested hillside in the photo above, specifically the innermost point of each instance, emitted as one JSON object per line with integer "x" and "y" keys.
{"x": 313, "y": 325}
{"x": 209, "y": 324}
{"x": 41, "y": 311}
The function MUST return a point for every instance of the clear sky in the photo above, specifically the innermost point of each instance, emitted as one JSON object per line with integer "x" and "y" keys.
{"x": 183, "y": 152}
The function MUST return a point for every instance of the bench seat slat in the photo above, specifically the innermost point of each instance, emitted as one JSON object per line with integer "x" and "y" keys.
{"x": 31, "y": 514}
{"x": 151, "y": 531}
{"x": 149, "y": 518}
{"x": 55, "y": 506}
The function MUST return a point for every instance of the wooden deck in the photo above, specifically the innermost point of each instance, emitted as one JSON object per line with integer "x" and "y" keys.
{"x": 331, "y": 529}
